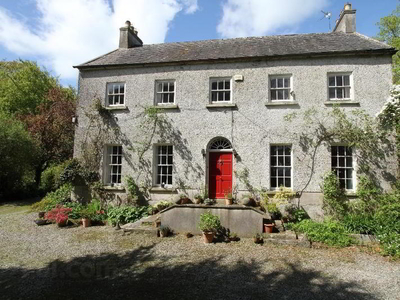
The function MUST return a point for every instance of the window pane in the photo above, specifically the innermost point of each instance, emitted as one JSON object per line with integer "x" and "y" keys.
{"x": 280, "y": 82}
{"x": 339, "y": 93}
{"x": 220, "y": 85}
{"x": 346, "y": 80}
{"x": 287, "y": 161}
{"x": 341, "y": 150}
{"x": 213, "y": 96}
{"x": 214, "y": 85}
{"x": 286, "y": 82}
{"x": 169, "y": 179}
{"x": 349, "y": 162}
{"x": 333, "y": 162}
{"x": 280, "y": 172}
{"x": 171, "y": 86}
{"x": 342, "y": 183}
{"x": 164, "y": 179}
{"x": 339, "y": 80}
{"x": 287, "y": 150}
{"x": 110, "y": 99}
{"x": 163, "y": 160}
{"x": 280, "y": 182}
{"x": 227, "y": 84}
{"x": 273, "y": 182}
{"x": 347, "y": 92}
{"x": 165, "y": 98}
{"x": 332, "y": 81}
{"x": 341, "y": 161}
{"x": 227, "y": 96}
{"x": 349, "y": 151}
{"x": 273, "y": 83}
{"x": 349, "y": 184}
{"x": 273, "y": 95}
{"x": 159, "y": 87}
{"x": 280, "y": 150}
{"x": 171, "y": 98}
{"x": 285, "y": 94}
{"x": 220, "y": 96}
{"x": 287, "y": 182}
{"x": 273, "y": 160}
{"x": 170, "y": 170}
{"x": 280, "y": 94}
{"x": 110, "y": 89}
{"x": 122, "y": 89}
{"x": 116, "y": 88}
{"x": 165, "y": 87}
{"x": 119, "y": 159}
{"x": 169, "y": 149}
{"x": 280, "y": 160}
{"x": 121, "y": 99}
{"x": 287, "y": 172}
{"x": 332, "y": 93}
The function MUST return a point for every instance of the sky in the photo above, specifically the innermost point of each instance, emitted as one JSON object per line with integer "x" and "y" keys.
{"x": 61, "y": 33}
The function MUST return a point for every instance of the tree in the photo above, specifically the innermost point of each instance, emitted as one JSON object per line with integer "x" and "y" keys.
{"x": 389, "y": 32}
{"x": 23, "y": 86}
{"x": 18, "y": 156}
{"x": 52, "y": 128}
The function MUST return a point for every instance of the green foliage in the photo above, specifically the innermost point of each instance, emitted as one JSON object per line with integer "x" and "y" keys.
{"x": 76, "y": 174}
{"x": 283, "y": 195}
{"x": 329, "y": 232}
{"x": 162, "y": 205}
{"x": 60, "y": 196}
{"x": 208, "y": 222}
{"x": 389, "y": 32}
{"x": 368, "y": 194}
{"x": 359, "y": 223}
{"x": 23, "y": 86}
{"x": 51, "y": 177}
{"x": 296, "y": 214}
{"x": 18, "y": 157}
{"x": 127, "y": 214}
{"x": 335, "y": 202}
{"x": 76, "y": 209}
{"x": 133, "y": 189}
{"x": 390, "y": 242}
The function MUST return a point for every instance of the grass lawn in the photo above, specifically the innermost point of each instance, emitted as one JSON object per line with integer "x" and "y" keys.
{"x": 47, "y": 262}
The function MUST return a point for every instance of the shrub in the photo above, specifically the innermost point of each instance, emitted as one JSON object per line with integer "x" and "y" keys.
{"x": 283, "y": 195}
{"x": 127, "y": 214}
{"x": 76, "y": 209}
{"x": 390, "y": 242}
{"x": 296, "y": 214}
{"x": 360, "y": 223}
{"x": 335, "y": 202}
{"x": 58, "y": 214}
{"x": 50, "y": 178}
{"x": 162, "y": 205}
{"x": 209, "y": 222}
{"x": 329, "y": 232}
{"x": 60, "y": 196}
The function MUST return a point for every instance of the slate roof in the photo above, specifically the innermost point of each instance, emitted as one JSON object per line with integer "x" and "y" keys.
{"x": 242, "y": 48}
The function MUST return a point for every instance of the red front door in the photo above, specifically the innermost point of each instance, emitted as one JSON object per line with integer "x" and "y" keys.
{"x": 220, "y": 176}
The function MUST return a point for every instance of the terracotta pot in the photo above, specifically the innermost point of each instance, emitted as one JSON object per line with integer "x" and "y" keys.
{"x": 85, "y": 222}
{"x": 269, "y": 228}
{"x": 208, "y": 237}
{"x": 228, "y": 201}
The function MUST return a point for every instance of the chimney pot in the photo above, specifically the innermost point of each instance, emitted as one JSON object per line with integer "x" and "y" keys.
{"x": 347, "y": 6}
{"x": 128, "y": 37}
{"x": 347, "y": 20}
{"x": 128, "y": 23}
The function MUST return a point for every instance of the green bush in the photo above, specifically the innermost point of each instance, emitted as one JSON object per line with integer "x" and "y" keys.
{"x": 335, "y": 202}
{"x": 76, "y": 210}
{"x": 390, "y": 242}
{"x": 296, "y": 214}
{"x": 159, "y": 206}
{"x": 329, "y": 232}
{"x": 127, "y": 214}
{"x": 360, "y": 223}
{"x": 60, "y": 196}
{"x": 50, "y": 179}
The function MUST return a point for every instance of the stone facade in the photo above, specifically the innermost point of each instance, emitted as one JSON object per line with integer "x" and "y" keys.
{"x": 251, "y": 125}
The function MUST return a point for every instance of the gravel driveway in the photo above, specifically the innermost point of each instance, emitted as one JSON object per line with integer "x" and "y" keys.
{"x": 100, "y": 263}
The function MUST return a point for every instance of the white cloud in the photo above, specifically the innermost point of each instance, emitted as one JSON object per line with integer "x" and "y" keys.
{"x": 74, "y": 31}
{"x": 261, "y": 17}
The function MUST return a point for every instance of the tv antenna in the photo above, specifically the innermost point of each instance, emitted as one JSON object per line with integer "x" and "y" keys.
{"x": 327, "y": 15}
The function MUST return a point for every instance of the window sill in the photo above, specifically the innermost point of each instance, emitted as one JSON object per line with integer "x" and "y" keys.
{"x": 158, "y": 189}
{"x": 281, "y": 103}
{"x": 342, "y": 102}
{"x": 221, "y": 105}
{"x": 167, "y": 106}
{"x": 113, "y": 188}
{"x": 114, "y": 108}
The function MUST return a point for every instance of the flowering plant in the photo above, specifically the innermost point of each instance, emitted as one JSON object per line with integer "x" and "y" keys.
{"x": 59, "y": 214}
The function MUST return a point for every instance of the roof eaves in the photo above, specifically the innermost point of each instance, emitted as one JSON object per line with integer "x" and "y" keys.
{"x": 94, "y": 59}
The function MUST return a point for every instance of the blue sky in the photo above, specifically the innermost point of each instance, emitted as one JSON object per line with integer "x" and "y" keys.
{"x": 59, "y": 34}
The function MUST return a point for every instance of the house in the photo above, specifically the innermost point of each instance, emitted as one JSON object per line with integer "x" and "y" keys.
{"x": 209, "y": 115}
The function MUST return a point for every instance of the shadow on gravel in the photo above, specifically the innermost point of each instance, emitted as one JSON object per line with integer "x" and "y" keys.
{"x": 139, "y": 275}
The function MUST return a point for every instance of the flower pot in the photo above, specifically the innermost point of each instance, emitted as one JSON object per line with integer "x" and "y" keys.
{"x": 85, "y": 222}
{"x": 208, "y": 237}
{"x": 62, "y": 223}
{"x": 228, "y": 201}
{"x": 269, "y": 228}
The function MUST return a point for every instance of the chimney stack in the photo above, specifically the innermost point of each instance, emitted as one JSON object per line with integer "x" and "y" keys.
{"x": 347, "y": 20}
{"x": 128, "y": 37}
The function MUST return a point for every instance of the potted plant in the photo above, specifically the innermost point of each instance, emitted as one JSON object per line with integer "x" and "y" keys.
{"x": 209, "y": 224}
{"x": 59, "y": 214}
{"x": 164, "y": 231}
{"x": 258, "y": 238}
{"x": 198, "y": 199}
{"x": 184, "y": 199}
{"x": 86, "y": 216}
{"x": 228, "y": 197}
{"x": 269, "y": 228}
{"x": 273, "y": 210}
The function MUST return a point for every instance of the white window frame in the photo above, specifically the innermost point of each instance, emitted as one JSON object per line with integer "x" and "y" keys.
{"x": 277, "y": 166}
{"x": 109, "y": 164}
{"x": 156, "y": 92}
{"x": 281, "y": 76}
{"x": 216, "y": 79}
{"x": 353, "y": 168}
{"x": 115, "y": 94}
{"x": 350, "y": 86}
{"x": 156, "y": 165}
